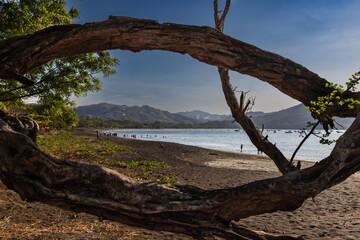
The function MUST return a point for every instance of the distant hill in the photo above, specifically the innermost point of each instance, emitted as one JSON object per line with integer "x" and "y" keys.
{"x": 208, "y": 117}
{"x": 106, "y": 111}
{"x": 204, "y": 116}
{"x": 291, "y": 118}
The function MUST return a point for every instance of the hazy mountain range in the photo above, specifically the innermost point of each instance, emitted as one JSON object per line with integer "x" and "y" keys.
{"x": 107, "y": 111}
{"x": 208, "y": 117}
{"x": 291, "y": 118}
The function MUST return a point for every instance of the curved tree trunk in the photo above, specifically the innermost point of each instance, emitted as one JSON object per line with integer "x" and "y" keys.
{"x": 79, "y": 187}
{"x": 37, "y": 176}
{"x": 21, "y": 54}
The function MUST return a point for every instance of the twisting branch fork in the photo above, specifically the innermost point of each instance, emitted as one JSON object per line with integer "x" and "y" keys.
{"x": 219, "y": 21}
{"x": 249, "y": 103}
{"x": 238, "y": 110}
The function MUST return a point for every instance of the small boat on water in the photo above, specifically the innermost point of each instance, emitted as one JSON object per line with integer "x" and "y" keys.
{"x": 288, "y": 131}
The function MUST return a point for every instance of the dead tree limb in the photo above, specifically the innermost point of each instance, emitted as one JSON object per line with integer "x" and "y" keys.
{"x": 220, "y": 21}
{"x": 239, "y": 109}
{"x": 303, "y": 141}
{"x": 20, "y": 55}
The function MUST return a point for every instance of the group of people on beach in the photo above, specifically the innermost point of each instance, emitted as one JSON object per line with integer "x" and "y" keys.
{"x": 110, "y": 134}
{"x": 101, "y": 133}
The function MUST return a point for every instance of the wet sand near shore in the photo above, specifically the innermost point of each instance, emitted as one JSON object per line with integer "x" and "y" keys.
{"x": 334, "y": 213}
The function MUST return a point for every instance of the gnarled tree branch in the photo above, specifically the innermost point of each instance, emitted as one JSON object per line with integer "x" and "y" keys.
{"x": 256, "y": 137}
{"x": 22, "y": 54}
{"x": 238, "y": 110}
{"x": 37, "y": 176}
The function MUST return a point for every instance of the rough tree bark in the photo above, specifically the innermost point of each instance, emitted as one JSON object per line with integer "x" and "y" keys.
{"x": 37, "y": 176}
{"x": 21, "y": 54}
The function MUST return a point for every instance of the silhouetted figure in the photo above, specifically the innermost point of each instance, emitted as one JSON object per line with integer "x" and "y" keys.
{"x": 298, "y": 165}
{"x": 241, "y": 147}
{"x": 97, "y": 135}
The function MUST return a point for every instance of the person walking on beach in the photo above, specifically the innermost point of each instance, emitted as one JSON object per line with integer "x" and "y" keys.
{"x": 241, "y": 147}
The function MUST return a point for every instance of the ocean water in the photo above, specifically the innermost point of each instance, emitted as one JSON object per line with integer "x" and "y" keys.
{"x": 231, "y": 140}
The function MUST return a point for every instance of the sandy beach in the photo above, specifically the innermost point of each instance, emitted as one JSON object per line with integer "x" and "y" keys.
{"x": 333, "y": 214}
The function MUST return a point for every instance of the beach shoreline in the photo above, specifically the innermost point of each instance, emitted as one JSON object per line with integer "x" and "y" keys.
{"x": 221, "y": 139}
{"x": 334, "y": 213}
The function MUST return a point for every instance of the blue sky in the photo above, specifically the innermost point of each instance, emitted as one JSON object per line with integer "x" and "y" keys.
{"x": 322, "y": 35}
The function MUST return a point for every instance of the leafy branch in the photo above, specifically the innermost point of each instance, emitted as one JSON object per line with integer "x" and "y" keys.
{"x": 337, "y": 97}
{"x": 319, "y": 109}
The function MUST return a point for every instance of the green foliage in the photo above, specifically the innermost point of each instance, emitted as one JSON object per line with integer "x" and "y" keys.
{"x": 148, "y": 168}
{"x": 53, "y": 114}
{"x": 104, "y": 148}
{"x": 59, "y": 144}
{"x": 2, "y": 106}
{"x": 336, "y": 97}
{"x": 65, "y": 143}
{"x": 133, "y": 164}
{"x": 112, "y": 162}
{"x": 171, "y": 179}
{"x": 68, "y": 145}
{"x": 99, "y": 123}
{"x": 26, "y": 16}
{"x": 57, "y": 80}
